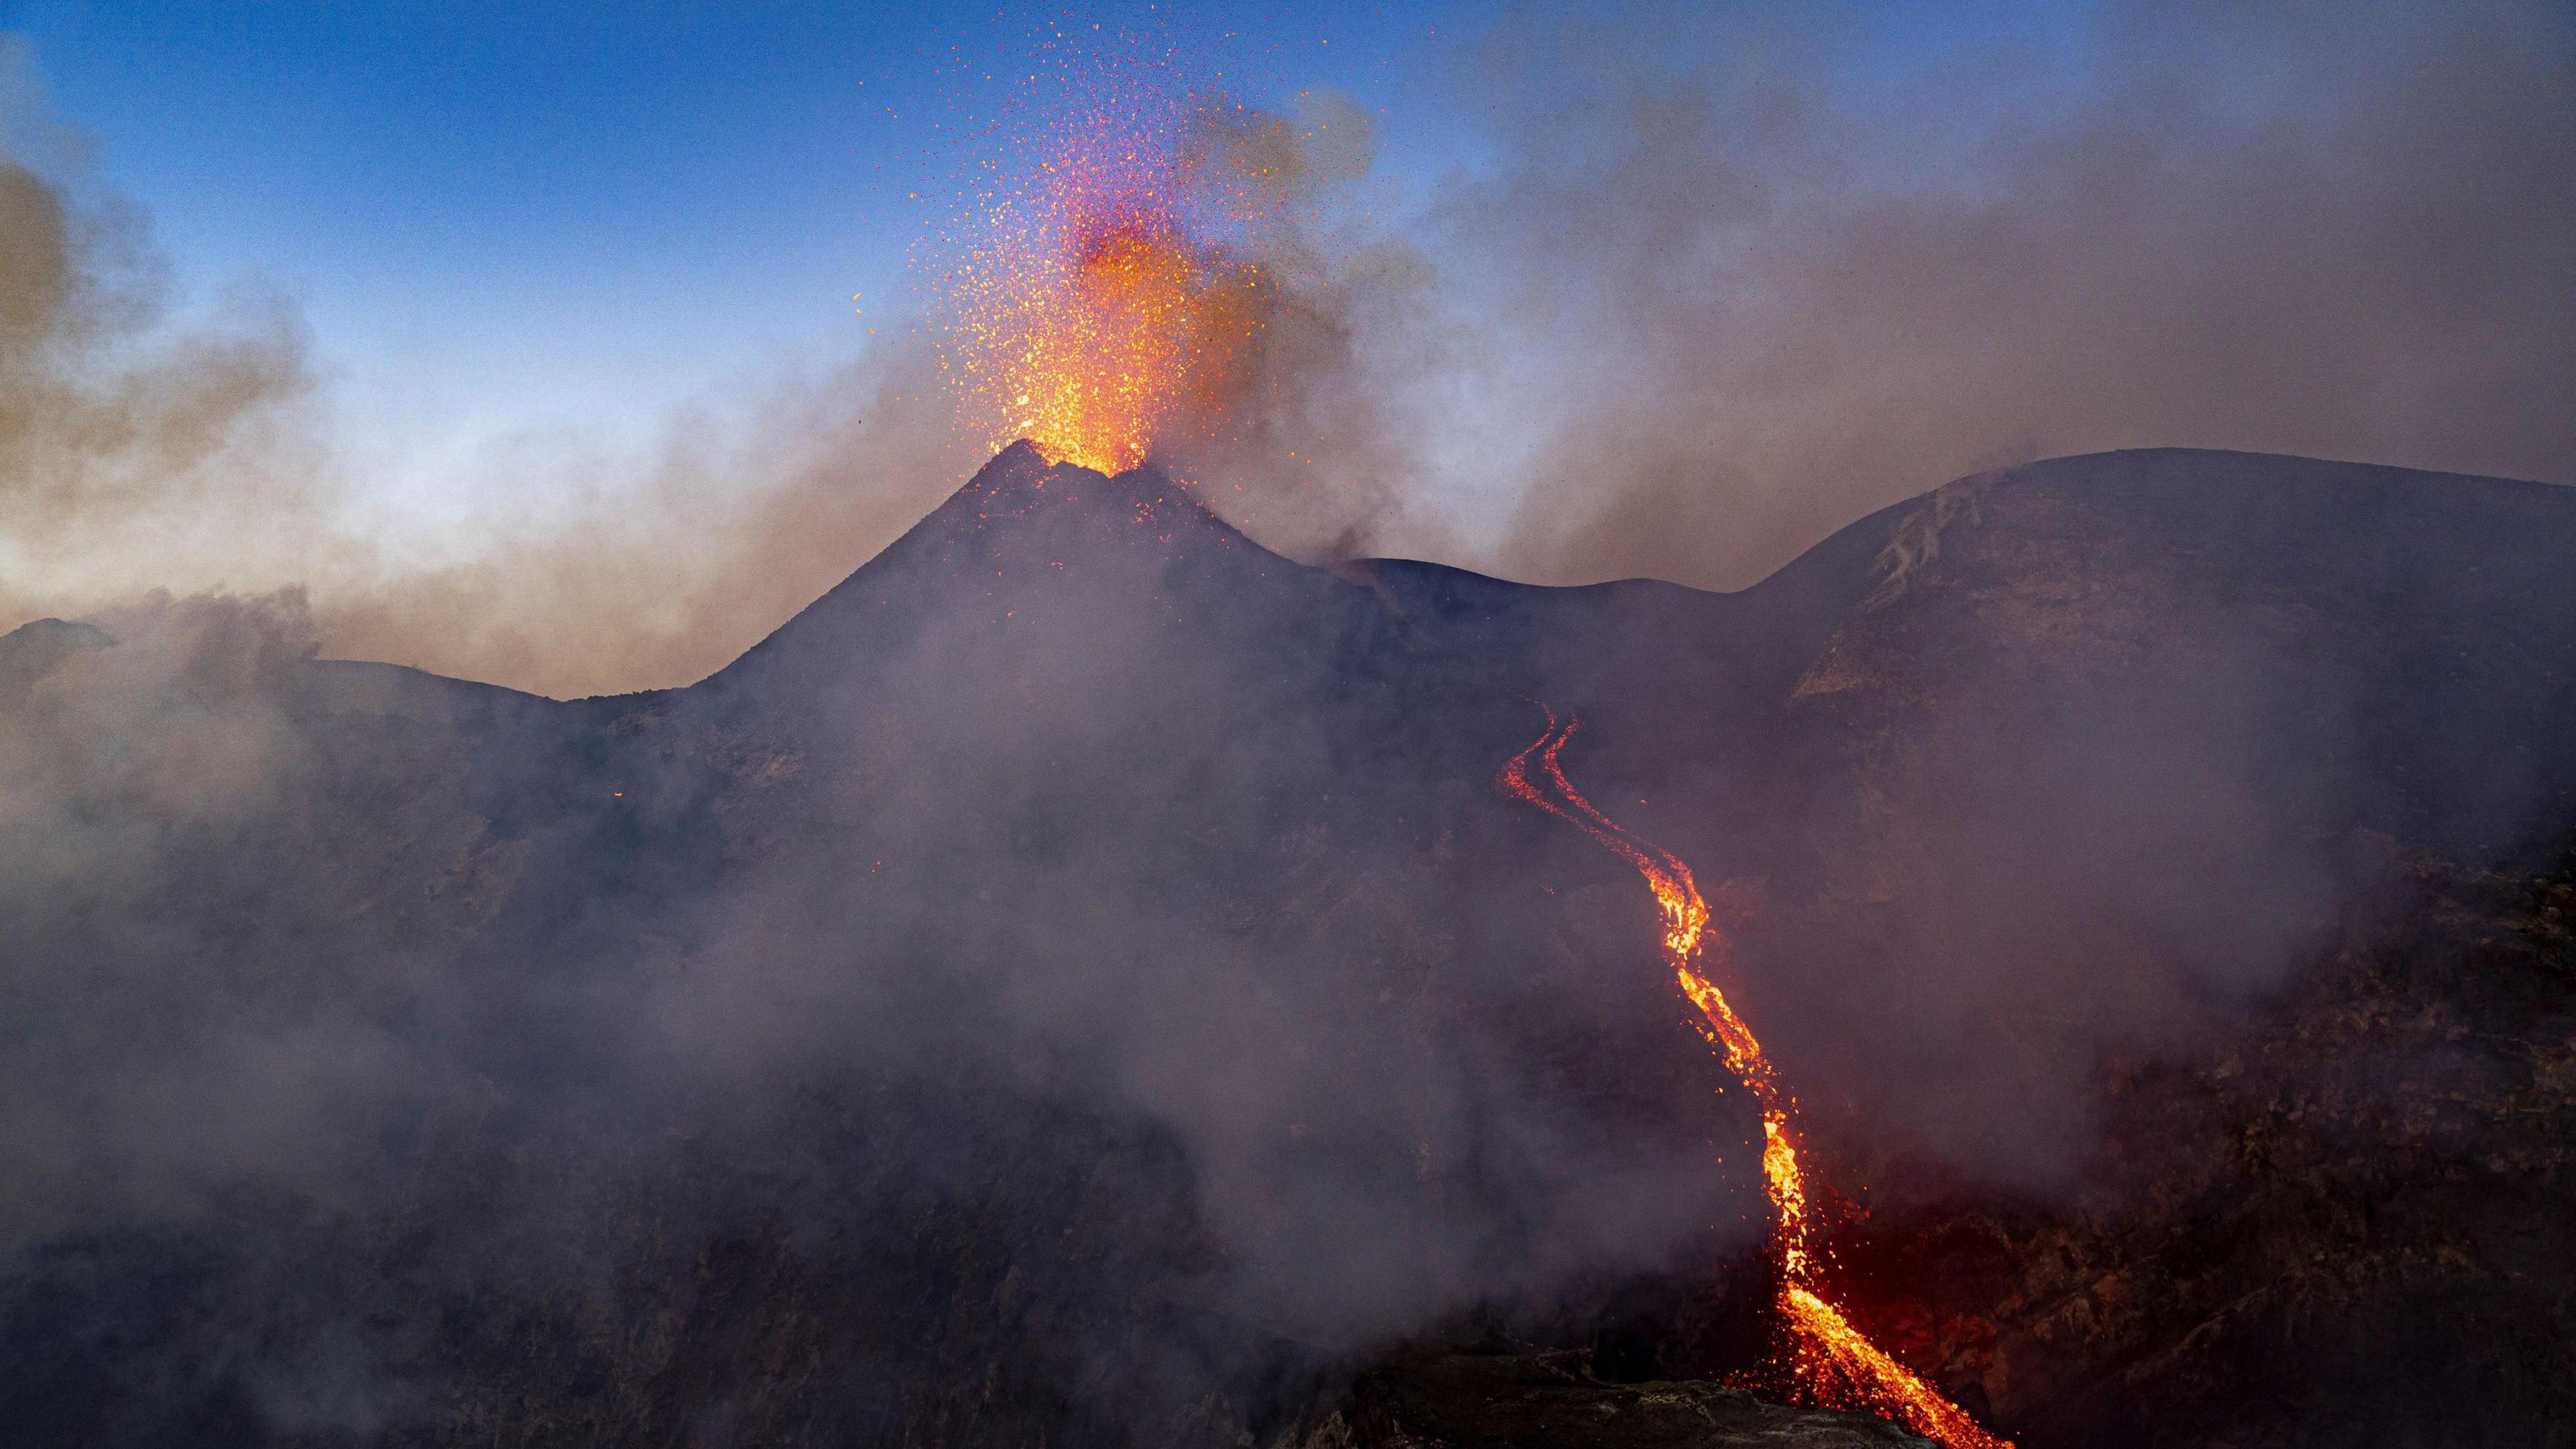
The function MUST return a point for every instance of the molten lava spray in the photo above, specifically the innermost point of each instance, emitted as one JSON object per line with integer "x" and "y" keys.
{"x": 1832, "y": 1363}
{"x": 1100, "y": 311}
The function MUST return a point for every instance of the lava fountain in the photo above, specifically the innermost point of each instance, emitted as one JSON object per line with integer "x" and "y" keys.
{"x": 1102, "y": 308}
{"x": 1832, "y": 1364}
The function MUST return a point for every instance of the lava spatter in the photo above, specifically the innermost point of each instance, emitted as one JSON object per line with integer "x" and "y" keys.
{"x": 1103, "y": 306}
{"x": 1832, "y": 1364}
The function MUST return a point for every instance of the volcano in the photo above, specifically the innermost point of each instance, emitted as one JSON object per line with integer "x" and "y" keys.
{"x": 1078, "y": 982}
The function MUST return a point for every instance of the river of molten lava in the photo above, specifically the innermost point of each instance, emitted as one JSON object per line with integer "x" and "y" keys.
{"x": 1832, "y": 1363}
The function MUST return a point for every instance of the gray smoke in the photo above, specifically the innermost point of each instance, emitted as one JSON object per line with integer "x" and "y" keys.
{"x": 340, "y": 1003}
{"x": 1734, "y": 279}
{"x": 149, "y": 440}
{"x": 1723, "y": 283}
{"x": 115, "y": 427}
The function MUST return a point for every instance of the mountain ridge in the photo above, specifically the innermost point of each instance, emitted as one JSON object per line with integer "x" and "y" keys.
{"x": 1023, "y": 1003}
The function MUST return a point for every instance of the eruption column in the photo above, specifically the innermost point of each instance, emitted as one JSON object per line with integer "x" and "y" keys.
{"x": 1104, "y": 309}
{"x": 1832, "y": 1363}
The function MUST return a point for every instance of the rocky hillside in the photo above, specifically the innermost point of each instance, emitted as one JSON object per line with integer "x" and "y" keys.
{"x": 1077, "y": 983}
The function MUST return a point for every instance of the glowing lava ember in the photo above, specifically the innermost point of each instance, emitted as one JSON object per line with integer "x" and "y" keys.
{"x": 1832, "y": 1363}
{"x": 1097, "y": 314}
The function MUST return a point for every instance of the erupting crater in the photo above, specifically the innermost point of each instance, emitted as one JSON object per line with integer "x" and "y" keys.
{"x": 1105, "y": 312}
{"x": 1103, "y": 309}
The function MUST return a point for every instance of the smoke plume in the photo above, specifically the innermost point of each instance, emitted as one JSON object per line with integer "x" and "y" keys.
{"x": 1734, "y": 280}
{"x": 115, "y": 431}
{"x": 1717, "y": 284}
{"x": 151, "y": 440}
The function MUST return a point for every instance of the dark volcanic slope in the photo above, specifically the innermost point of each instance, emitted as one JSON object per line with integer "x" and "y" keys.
{"x": 2407, "y": 633}
{"x": 2109, "y": 742}
{"x": 1031, "y": 547}
{"x": 1077, "y": 983}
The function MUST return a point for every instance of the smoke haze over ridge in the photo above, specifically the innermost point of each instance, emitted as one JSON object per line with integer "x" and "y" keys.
{"x": 1716, "y": 284}
{"x": 1746, "y": 297}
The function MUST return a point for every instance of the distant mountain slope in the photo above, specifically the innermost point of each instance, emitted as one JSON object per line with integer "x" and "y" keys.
{"x": 2411, "y": 630}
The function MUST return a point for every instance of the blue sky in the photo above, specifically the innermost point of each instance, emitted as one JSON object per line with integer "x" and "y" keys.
{"x": 1662, "y": 287}
{"x": 494, "y": 215}
{"x": 577, "y": 278}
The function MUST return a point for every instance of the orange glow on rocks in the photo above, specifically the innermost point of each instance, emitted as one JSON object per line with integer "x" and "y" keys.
{"x": 1832, "y": 1364}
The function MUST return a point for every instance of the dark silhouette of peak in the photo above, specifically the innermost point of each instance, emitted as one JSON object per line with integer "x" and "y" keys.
{"x": 1019, "y": 479}
{"x": 32, "y": 650}
{"x": 2346, "y": 586}
{"x": 55, "y": 633}
{"x": 1025, "y": 546}
{"x": 1020, "y": 506}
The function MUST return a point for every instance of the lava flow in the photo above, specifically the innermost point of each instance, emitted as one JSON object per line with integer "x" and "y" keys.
{"x": 1832, "y": 1363}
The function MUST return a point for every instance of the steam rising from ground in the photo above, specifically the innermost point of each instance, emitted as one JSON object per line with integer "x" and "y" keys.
{"x": 1140, "y": 951}
{"x": 347, "y": 1005}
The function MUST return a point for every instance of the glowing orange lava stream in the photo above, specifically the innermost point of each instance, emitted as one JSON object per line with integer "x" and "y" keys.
{"x": 1833, "y": 1363}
